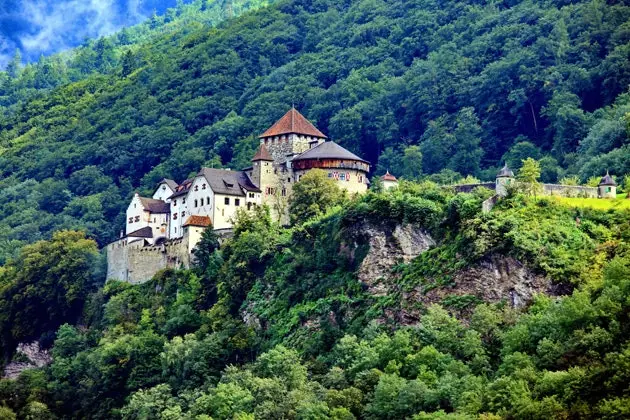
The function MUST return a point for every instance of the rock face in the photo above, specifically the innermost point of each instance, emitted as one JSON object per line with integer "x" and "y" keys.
{"x": 388, "y": 247}
{"x": 30, "y": 356}
{"x": 494, "y": 279}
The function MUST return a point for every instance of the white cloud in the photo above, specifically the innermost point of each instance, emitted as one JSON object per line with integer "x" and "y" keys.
{"x": 48, "y": 26}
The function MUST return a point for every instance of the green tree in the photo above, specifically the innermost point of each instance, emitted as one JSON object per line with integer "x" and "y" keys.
{"x": 528, "y": 175}
{"x": 312, "y": 195}
{"x": 45, "y": 286}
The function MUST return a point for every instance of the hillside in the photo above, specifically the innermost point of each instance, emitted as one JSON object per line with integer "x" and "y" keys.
{"x": 411, "y": 304}
{"x": 420, "y": 88}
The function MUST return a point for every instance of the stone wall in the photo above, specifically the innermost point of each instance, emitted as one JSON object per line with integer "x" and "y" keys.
{"x": 569, "y": 190}
{"x": 466, "y": 188}
{"x": 136, "y": 262}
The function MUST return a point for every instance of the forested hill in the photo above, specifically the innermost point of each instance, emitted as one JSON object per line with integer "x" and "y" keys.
{"x": 454, "y": 85}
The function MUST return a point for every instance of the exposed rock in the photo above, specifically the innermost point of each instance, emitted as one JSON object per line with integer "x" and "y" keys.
{"x": 28, "y": 356}
{"x": 388, "y": 247}
{"x": 496, "y": 278}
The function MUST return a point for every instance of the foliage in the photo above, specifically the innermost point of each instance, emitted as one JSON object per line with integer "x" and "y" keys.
{"x": 413, "y": 87}
{"x": 312, "y": 195}
{"x": 45, "y": 286}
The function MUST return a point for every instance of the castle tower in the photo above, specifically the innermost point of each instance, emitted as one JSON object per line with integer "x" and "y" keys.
{"x": 389, "y": 181}
{"x": 263, "y": 171}
{"x": 607, "y": 187}
{"x": 505, "y": 177}
{"x": 291, "y": 135}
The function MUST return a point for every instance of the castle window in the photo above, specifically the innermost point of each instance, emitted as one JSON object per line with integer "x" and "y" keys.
{"x": 226, "y": 201}
{"x": 289, "y": 180}
{"x": 330, "y": 174}
{"x": 251, "y": 195}
{"x": 174, "y": 202}
{"x": 196, "y": 203}
{"x": 175, "y": 218}
{"x": 196, "y": 187}
{"x": 360, "y": 179}
{"x": 203, "y": 187}
{"x": 608, "y": 189}
{"x": 184, "y": 201}
{"x": 131, "y": 220}
{"x": 208, "y": 200}
{"x": 342, "y": 176}
{"x": 137, "y": 219}
{"x": 237, "y": 202}
{"x": 249, "y": 206}
{"x": 183, "y": 213}
{"x": 284, "y": 192}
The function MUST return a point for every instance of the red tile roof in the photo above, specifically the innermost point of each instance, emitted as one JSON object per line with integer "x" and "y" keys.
{"x": 293, "y": 123}
{"x": 388, "y": 177}
{"x": 262, "y": 154}
{"x": 202, "y": 221}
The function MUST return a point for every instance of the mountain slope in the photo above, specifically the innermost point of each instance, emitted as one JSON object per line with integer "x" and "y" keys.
{"x": 285, "y": 323}
{"x": 469, "y": 84}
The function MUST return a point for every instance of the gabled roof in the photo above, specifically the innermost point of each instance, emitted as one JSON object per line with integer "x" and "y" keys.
{"x": 505, "y": 172}
{"x": 262, "y": 154}
{"x": 607, "y": 180}
{"x": 155, "y": 206}
{"x": 388, "y": 177}
{"x": 171, "y": 184}
{"x": 328, "y": 150}
{"x": 145, "y": 232}
{"x": 293, "y": 123}
{"x": 182, "y": 189}
{"x": 201, "y": 221}
{"x": 227, "y": 182}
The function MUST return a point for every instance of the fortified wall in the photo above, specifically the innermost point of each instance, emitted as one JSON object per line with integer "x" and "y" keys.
{"x": 138, "y": 262}
{"x": 547, "y": 189}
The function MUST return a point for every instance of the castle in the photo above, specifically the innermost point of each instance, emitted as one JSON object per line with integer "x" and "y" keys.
{"x": 162, "y": 231}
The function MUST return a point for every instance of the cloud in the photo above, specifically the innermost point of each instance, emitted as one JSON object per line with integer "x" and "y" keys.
{"x": 43, "y": 27}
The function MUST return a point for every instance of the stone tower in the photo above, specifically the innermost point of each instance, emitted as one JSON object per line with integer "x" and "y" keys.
{"x": 263, "y": 171}
{"x": 505, "y": 177}
{"x": 291, "y": 135}
{"x": 607, "y": 187}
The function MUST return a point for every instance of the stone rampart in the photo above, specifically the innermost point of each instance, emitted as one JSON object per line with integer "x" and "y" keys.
{"x": 466, "y": 188}
{"x": 570, "y": 190}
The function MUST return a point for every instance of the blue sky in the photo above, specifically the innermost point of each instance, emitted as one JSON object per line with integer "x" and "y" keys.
{"x": 47, "y": 26}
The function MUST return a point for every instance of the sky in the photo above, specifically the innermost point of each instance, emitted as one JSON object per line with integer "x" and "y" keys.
{"x": 39, "y": 27}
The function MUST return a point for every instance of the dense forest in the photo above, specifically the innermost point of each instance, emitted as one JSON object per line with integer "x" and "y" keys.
{"x": 455, "y": 88}
{"x": 276, "y": 324}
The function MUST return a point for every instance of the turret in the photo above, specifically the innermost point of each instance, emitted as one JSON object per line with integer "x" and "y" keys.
{"x": 389, "y": 181}
{"x": 607, "y": 187}
{"x": 262, "y": 173}
{"x": 505, "y": 177}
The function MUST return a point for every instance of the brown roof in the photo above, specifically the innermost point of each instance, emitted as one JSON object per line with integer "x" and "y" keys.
{"x": 293, "y": 123}
{"x": 155, "y": 206}
{"x": 328, "y": 150}
{"x": 607, "y": 180}
{"x": 202, "y": 221}
{"x": 171, "y": 184}
{"x": 145, "y": 232}
{"x": 262, "y": 154}
{"x": 223, "y": 181}
{"x": 182, "y": 189}
{"x": 388, "y": 177}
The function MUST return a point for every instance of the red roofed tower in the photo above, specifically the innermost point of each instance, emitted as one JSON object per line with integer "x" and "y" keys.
{"x": 291, "y": 135}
